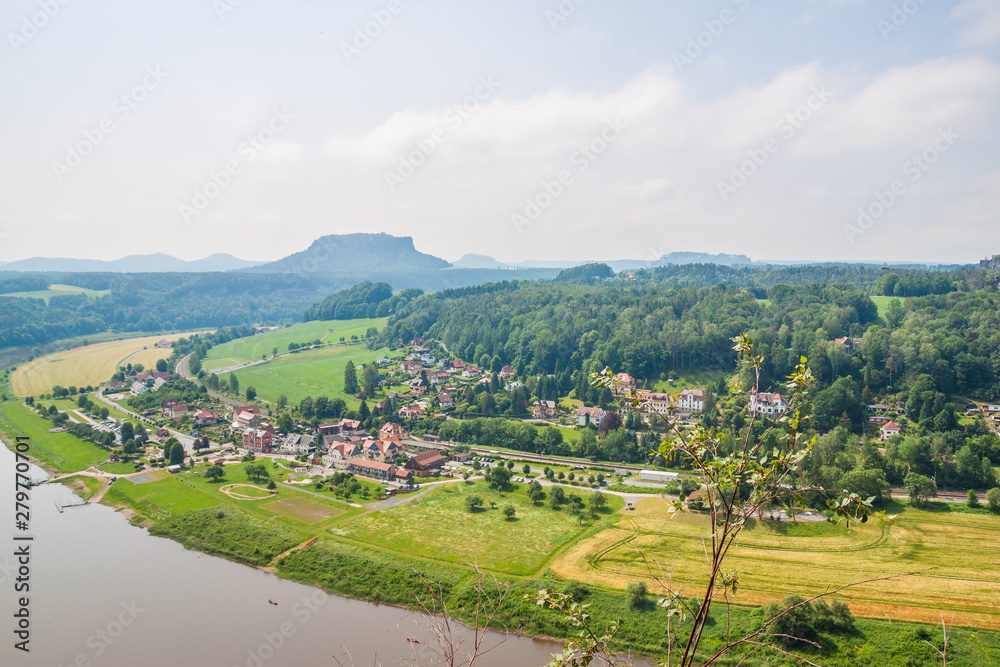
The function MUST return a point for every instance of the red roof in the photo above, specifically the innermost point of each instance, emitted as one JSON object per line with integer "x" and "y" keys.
{"x": 371, "y": 465}
{"x": 426, "y": 461}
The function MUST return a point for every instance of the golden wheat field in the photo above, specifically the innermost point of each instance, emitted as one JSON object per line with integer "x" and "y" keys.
{"x": 88, "y": 365}
{"x": 958, "y": 551}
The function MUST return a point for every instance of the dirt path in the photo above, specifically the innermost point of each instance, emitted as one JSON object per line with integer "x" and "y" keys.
{"x": 273, "y": 565}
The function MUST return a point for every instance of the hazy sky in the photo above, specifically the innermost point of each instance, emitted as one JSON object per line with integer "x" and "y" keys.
{"x": 523, "y": 129}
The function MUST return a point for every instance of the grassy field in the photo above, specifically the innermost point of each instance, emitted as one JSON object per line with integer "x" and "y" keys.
{"x": 253, "y": 348}
{"x": 311, "y": 373}
{"x": 63, "y": 452}
{"x": 439, "y": 526}
{"x": 813, "y": 557}
{"x": 59, "y": 290}
{"x": 79, "y": 367}
{"x": 705, "y": 380}
{"x": 883, "y": 303}
{"x": 180, "y": 493}
{"x": 83, "y": 486}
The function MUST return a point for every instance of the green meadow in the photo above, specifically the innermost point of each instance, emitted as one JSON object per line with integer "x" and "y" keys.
{"x": 317, "y": 372}
{"x": 254, "y": 348}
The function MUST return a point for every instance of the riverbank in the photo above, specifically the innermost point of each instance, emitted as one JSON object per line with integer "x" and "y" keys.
{"x": 363, "y": 563}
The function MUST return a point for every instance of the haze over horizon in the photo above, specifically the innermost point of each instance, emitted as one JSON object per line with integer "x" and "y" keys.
{"x": 523, "y": 131}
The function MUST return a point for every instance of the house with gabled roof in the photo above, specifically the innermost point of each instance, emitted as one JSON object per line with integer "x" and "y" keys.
{"x": 410, "y": 412}
{"x": 544, "y": 409}
{"x": 339, "y": 454}
{"x": 624, "y": 383}
{"x": 769, "y": 404}
{"x": 585, "y": 416}
{"x": 423, "y": 464}
{"x": 205, "y": 417}
{"x": 393, "y": 430}
{"x": 258, "y": 440}
{"x": 375, "y": 469}
{"x": 889, "y": 430}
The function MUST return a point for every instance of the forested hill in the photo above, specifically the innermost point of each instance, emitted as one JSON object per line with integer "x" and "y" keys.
{"x": 349, "y": 253}
{"x": 652, "y": 325}
{"x": 152, "y": 302}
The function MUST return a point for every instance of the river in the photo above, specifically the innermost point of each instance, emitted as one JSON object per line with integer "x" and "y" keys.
{"x": 106, "y": 593}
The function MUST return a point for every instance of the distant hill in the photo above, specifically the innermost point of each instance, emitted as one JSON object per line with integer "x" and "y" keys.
{"x": 155, "y": 263}
{"x": 471, "y": 261}
{"x": 356, "y": 253}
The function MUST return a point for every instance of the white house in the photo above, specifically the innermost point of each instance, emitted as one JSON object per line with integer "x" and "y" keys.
{"x": 889, "y": 430}
{"x": 585, "y": 415}
{"x": 298, "y": 444}
{"x": 767, "y": 404}
{"x": 340, "y": 454}
{"x": 691, "y": 400}
{"x": 138, "y": 388}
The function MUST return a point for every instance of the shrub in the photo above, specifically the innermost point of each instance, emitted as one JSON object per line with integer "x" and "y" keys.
{"x": 474, "y": 503}
{"x": 993, "y": 499}
{"x": 806, "y": 620}
{"x": 636, "y": 594}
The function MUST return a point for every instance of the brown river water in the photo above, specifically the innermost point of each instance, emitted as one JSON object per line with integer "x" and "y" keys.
{"x": 103, "y": 592}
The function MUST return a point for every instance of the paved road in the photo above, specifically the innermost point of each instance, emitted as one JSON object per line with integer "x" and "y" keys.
{"x": 182, "y": 370}
{"x": 186, "y": 440}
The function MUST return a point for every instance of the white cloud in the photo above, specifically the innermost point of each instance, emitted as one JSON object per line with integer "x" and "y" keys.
{"x": 984, "y": 22}
{"x": 657, "y": 184}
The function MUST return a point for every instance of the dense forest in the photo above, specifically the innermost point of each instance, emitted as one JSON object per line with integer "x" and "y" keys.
{"x": 365, "y": 300}
{"x": 154, "y": 302}
{"x": 653, "y": 328}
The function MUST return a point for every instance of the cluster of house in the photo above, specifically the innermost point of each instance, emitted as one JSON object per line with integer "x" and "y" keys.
{"x": 139, "y": 382}
{"x": 177, "y": 411}
{"x": 344, "y": 445}
{"x": 888, "y": 427}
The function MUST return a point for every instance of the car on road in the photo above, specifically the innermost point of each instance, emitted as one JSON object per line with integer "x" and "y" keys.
{"x": 629, "y": 506}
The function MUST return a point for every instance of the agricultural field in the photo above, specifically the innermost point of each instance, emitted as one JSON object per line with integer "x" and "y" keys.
{"x": 311, "y": 373}
{"x": 439, "y": 526}
{"x": 814, "y": 556}
{"x": 81, "y": 366}
{"x": 59, "y": 290}
{"x": 63, "y": 452}
{"x": 253, "y": 348}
